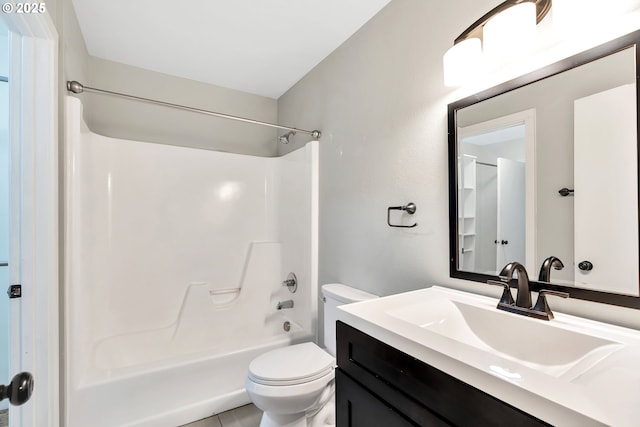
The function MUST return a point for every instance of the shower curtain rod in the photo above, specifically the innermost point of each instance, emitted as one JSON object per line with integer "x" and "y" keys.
{"x": 487, "y": 164}
{"x": 76, "y": 87}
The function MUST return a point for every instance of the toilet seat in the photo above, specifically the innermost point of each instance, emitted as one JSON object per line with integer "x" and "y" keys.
{"x": 296, "y": 364}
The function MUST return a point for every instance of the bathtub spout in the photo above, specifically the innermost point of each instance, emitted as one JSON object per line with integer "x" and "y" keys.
{"x": 285, "y": 304}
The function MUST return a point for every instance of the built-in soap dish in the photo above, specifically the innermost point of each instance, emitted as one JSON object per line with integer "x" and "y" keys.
{"x": 224, "y": 296}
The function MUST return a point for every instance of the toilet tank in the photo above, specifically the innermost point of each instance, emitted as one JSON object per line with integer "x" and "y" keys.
{"x": 333, "y": 295}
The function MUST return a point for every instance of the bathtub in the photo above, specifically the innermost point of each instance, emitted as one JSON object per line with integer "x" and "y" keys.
{"x": 174, "y": 262}
{"x": 175, "y": 391}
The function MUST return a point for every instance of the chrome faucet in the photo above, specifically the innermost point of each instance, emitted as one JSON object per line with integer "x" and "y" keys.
{"x": 522, "y": 305}
{"x": 523, "y": 298}
{"x": 285, "y": 304}
{"x": 545, "y": 270}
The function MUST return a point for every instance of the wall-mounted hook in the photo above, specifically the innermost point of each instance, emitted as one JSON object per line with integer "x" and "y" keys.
{"x": 410, "y": 209}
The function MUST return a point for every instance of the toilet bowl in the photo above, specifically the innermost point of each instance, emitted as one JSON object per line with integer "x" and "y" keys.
{"x": 294, "y": 386}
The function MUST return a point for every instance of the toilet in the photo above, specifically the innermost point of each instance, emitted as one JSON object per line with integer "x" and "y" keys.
{"x": 294, "y": 386}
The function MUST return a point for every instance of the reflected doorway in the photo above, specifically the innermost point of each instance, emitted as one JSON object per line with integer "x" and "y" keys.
{"x": 495, "y": 212}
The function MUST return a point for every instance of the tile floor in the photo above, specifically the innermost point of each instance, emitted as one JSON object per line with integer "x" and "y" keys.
{"x": 244, "y": 416}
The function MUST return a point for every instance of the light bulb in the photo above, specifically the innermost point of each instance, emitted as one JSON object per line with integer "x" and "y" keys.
{"x": 461, "y": 62}
{"x": 509, "y": 34}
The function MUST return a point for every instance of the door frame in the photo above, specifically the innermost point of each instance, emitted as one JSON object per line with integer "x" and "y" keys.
{"x": 528, "y": 118}
{"x": 33, "y": 263}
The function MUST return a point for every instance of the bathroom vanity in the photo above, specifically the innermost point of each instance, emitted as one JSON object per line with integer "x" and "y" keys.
{"x": 380, "y": 385}
{"x": 439, "y": 356}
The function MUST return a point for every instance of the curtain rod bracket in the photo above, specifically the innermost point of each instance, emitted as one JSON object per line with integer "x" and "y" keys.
{"x": 75, "y": 87}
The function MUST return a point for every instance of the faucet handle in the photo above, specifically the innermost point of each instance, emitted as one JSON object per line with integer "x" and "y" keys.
{"x": 506, "y": 297}
{"x": 541, "y": 303}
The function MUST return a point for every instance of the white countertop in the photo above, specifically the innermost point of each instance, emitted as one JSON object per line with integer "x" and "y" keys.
{"x": 605, "y": 391}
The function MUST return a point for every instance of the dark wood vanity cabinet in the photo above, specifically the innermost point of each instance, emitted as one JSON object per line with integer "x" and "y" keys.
{"x": 378, "y": 385}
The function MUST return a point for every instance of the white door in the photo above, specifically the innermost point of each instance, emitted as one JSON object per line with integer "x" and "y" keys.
{"x": 4, "y": 212}
{"x": 510, "y": 244}
{"x": 32, "y": 218}
{"x": 606, "y": 205}
{"x": 18, "y": 387}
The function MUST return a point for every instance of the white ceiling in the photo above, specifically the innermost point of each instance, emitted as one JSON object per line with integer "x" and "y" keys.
{"x": 257, "y": 46}
{"x": 496, "y": 136}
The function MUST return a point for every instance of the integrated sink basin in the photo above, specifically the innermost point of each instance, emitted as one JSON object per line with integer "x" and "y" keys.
{"x": 531, "y": 342}
{"x": 567, "y": 371}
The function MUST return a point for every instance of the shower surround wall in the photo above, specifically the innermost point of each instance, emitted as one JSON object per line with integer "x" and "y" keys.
{"x": 175, "y": 259}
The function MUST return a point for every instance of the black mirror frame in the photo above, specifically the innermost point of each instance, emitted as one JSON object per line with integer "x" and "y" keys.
{"x": 630, "y": 40}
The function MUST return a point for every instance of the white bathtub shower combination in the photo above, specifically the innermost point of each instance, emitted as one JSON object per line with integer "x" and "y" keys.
{"x": 174, "y": 262}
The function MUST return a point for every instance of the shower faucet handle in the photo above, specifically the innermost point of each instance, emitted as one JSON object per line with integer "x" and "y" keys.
{"x": 291, "y": 282}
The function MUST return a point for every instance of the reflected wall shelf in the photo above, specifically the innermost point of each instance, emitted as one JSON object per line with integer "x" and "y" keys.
{"x": 467, "y": 212}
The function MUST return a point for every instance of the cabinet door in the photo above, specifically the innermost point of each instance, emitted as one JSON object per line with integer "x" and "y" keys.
{"x": 418, "y": 391}
{"x": 356, "y": 407}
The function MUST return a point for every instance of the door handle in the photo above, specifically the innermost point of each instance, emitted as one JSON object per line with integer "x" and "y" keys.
{"x": 19, "y": 389}
{"x": 585, "y": 266}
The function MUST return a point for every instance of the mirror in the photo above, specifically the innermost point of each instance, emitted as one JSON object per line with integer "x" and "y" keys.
{"x": 547, "y": 165}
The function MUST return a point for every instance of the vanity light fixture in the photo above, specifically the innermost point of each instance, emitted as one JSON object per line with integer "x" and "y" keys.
{"x": 502, "y": 33}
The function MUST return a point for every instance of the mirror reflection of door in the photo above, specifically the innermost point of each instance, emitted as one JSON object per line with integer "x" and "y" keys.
{"x": 605, "y": 204}
{"x": 511, "y": 212}
{"x": 498, "y": 148}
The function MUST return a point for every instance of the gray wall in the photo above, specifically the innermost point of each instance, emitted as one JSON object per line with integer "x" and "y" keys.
{"x": 121, "y": 118}
{"x": 379, "y": 99}
{"x": 72, "y": 52}
{"x": 382, "y": 105}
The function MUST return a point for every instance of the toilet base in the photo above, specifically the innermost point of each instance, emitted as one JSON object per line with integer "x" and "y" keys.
{"x": 325, "y": 417}
{"x": 283, "y": 420}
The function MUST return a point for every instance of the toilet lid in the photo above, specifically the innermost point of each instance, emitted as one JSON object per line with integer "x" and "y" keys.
{"x": 291, "y": 365}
